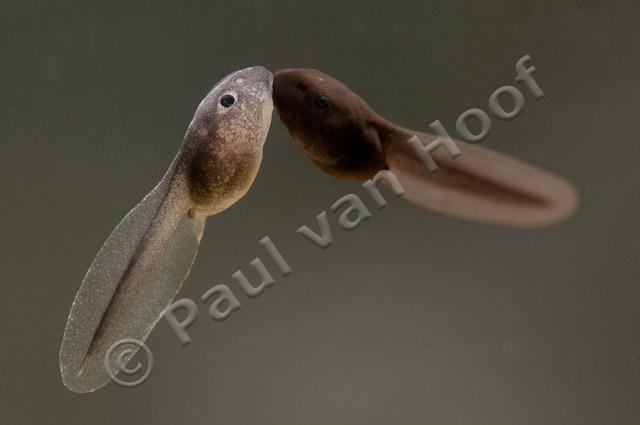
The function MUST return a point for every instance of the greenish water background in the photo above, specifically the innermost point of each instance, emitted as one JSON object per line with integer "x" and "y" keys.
{"x": 413, "y": 318}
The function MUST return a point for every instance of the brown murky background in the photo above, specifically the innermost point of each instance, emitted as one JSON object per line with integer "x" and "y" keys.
{"x": 412, "y": 318}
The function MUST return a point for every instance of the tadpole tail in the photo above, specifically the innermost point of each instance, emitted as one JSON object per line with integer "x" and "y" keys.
{"x": 482, "y": 185}
{"x": 132, "y": 280}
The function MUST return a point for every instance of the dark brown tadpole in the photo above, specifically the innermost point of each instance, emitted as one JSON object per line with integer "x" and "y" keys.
{"x": 343, "y": 136}
{"x": 149, "y": 254}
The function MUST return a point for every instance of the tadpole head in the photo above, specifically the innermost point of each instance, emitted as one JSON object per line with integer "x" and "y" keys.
{"x": 223, "y": 145}
{"x": 332, "y": 124}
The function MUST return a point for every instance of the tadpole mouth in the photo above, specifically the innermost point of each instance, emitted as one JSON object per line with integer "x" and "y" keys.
{"x": 257, "y": 75}
{"x": 275, "y": 90}
{"x": 284, "y": 88}
{"x": 270, "y": 82}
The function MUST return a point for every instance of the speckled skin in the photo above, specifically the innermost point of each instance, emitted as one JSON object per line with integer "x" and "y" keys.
{"x": 223, "y": 147}
{"x": 142, "y": 265}
{"x": 345, "y": 138}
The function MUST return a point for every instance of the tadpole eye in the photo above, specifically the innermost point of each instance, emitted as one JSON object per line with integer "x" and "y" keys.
{"x": 321, "y": 100}
{"x": 227, "y": 100}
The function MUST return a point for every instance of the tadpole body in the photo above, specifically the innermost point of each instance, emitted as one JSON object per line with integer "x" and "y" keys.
{"x": 344, "y": 137}
{"x": 144, "y": 262}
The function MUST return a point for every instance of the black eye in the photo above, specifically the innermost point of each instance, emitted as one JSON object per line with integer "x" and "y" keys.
{"x": 321, "y": 100}
{"x": 227, "y": 100}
